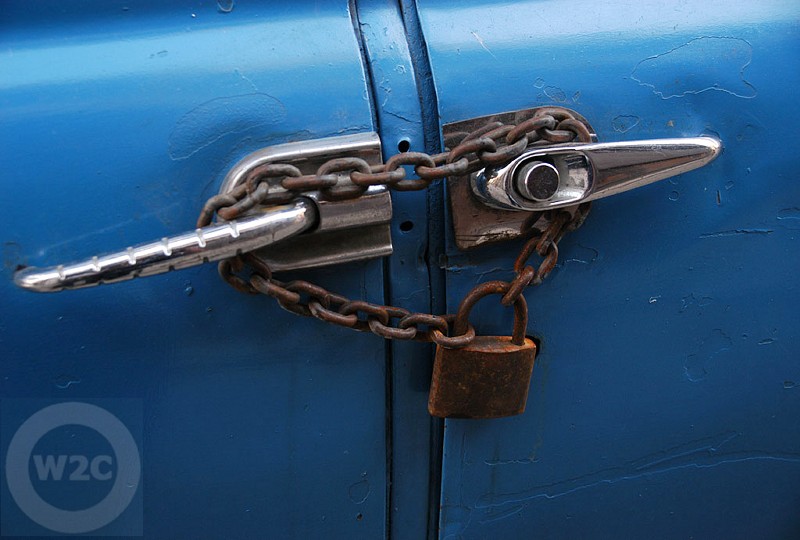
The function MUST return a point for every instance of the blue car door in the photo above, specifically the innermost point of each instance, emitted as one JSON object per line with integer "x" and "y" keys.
{"x": 664, "y": 400}
{"x": 665, "y": 396}
{"x": 118, "y": 121}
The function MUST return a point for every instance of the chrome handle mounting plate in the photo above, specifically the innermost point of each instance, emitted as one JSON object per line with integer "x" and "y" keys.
{"x": 474, "y": 222}
{"x": 348, "y": 230}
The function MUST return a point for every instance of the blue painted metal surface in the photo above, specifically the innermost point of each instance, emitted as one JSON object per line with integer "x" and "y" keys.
{"x": 665, "y": 401}
{"x": 414, "y": 436}
{"x": 118, "y": 120}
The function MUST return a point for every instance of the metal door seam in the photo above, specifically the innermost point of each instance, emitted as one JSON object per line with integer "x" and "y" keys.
{"x": 405, "y": 110}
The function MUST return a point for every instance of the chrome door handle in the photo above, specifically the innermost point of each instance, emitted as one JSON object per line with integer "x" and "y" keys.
{"x": 502, "y": 202}
{"x": 211, "y": 243}
{"x": 564, "y": 175}
{"x": 338, "y": 230}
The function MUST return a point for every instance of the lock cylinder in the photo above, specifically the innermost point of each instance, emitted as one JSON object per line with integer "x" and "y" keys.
{"x": 537, "y": 181}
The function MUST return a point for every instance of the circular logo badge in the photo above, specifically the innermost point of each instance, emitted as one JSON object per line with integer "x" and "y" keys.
{"x": 18, "y": 470}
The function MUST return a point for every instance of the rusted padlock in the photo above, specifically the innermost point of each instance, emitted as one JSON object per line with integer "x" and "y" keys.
{"x": 489, "y": 378}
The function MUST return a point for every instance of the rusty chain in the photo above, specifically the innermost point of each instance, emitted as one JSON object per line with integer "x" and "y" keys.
{"x": 493, "y": 145}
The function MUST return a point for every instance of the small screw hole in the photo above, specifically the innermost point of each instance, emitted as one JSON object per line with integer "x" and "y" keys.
{"x": 403, "y": 146}
{"x": 406, "y": 226}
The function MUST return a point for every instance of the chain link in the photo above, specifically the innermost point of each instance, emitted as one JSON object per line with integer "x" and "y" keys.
{"x": 493, "y": 145}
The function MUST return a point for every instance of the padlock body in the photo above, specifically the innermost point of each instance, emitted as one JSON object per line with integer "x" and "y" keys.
{"x": 489, "y": 378}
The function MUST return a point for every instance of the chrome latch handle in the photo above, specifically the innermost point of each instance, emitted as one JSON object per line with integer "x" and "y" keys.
{"x": 337, "y": 231}
{"x": 206, "y": 244}
{"x": 564, "y": 175}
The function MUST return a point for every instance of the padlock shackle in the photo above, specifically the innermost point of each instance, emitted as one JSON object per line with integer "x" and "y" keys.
{"x": 461, "y": 323}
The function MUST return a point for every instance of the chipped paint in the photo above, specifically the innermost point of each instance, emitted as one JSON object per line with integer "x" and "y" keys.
{"x": 703, "y": 64}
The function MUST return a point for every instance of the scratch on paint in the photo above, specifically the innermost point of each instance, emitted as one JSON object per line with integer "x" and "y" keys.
{"x": 65, "y": 381}
{"x": 480, "y": 276}
{"x": 625, "y": 122}
{"x": 735, "y": 232}
{"x": 497, "y": 516}
{"x": 353, "y": 129}
{"x": 496, "y": 462}
{"x": 214, "y": 119}
{"x": 482, "y": 44}
{"x": 697, "y": 365}
{"x": 76, "y": 240}
{"x": 245, "y": 79}
{"x": 400, "y": 116}
{"x": 701, "y": 454}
